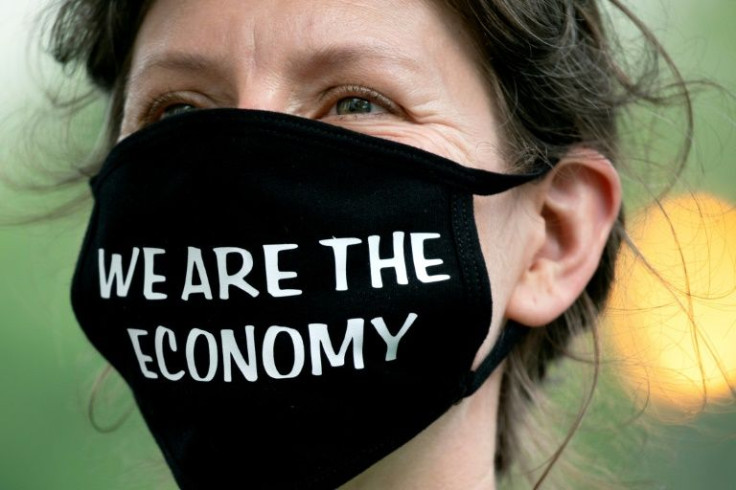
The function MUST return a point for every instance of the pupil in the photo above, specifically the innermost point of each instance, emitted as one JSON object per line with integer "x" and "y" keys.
{"x": 354, "y": 105}
{"x": 176, "y": 109}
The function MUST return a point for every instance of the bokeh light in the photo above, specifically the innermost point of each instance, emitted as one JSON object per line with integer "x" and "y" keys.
{"x": 672, "y": 315}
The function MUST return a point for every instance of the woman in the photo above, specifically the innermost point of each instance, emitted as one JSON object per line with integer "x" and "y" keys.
{"x": 306, "y": 305}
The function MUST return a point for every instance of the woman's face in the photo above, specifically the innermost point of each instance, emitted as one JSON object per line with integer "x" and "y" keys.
{"x": 400, "y": 70}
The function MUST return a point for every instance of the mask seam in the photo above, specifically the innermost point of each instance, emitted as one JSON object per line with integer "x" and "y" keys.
{"x": 468, "y": 261}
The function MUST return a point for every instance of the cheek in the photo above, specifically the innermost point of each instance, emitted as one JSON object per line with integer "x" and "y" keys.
{"x": 464, "y": 145}
{"x": 499, "y": 227}
{"x": 500, "y": 240}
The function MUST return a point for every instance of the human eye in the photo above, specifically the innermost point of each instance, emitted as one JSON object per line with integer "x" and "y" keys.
{"x": 356, "y": 105}
{"x": 358, "y": 101}
{"x": 171, "y": 104}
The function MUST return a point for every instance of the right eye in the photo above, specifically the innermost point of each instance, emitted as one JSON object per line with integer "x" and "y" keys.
{"x": 171, "y": 104}
{"x": 174, "y": 109}
{"x": 143, "y": 109}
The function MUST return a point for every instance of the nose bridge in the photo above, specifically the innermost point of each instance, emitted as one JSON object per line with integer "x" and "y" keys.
{"x": 262, "y": 49}
{"x": 263, "y": 90}
{"x": 262, "y": 81}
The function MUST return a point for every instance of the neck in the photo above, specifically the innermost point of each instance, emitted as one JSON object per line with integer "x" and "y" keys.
{"x": 455, "y": 452}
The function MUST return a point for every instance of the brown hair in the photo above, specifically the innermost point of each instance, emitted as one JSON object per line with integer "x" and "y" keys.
{"x": 559, "y": 85}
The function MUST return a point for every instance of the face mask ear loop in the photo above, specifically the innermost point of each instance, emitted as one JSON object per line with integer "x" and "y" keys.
{"x": 511, "y": 334}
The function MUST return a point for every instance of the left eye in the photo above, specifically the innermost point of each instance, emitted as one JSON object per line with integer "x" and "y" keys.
{"x": 354, "y": 105}
{"x": 357, "y": 105}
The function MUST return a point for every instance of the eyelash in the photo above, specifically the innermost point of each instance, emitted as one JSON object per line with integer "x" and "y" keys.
{"x": 333, "y": 95}
{"x": 156, "y": 104}
{"x": 154, "y": 108}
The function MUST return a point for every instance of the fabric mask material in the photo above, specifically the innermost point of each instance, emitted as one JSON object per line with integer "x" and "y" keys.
{"x": 289, "y": 301}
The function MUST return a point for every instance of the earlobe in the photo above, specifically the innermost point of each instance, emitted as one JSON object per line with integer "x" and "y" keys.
{"x": 579, "y": 203}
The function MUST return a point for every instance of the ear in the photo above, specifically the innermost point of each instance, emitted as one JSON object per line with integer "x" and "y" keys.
{"x": 578, "y": 203}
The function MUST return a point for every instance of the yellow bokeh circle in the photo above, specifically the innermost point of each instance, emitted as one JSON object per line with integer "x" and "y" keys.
{"x": 671, "y": 318}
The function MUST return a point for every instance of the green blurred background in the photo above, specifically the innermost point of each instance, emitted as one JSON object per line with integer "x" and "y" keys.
{"x": 47, "y": 369}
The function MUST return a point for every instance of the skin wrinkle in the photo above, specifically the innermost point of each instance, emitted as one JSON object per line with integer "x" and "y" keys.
{"x": 423, "y": 108}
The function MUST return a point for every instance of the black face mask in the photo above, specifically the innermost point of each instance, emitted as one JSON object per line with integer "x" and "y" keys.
{"x": 289, "y": 301}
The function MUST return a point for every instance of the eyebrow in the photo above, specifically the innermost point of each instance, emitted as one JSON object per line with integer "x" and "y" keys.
{"x": 181, "y": 61}
{"x": 350, "y": 54}
{"x": 305, "y": 62}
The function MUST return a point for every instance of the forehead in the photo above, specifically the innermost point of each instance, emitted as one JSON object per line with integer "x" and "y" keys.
{"x": 267, "y": 30}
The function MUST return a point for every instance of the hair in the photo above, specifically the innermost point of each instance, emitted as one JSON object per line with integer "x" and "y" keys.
{"x": 559, "y": 84}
